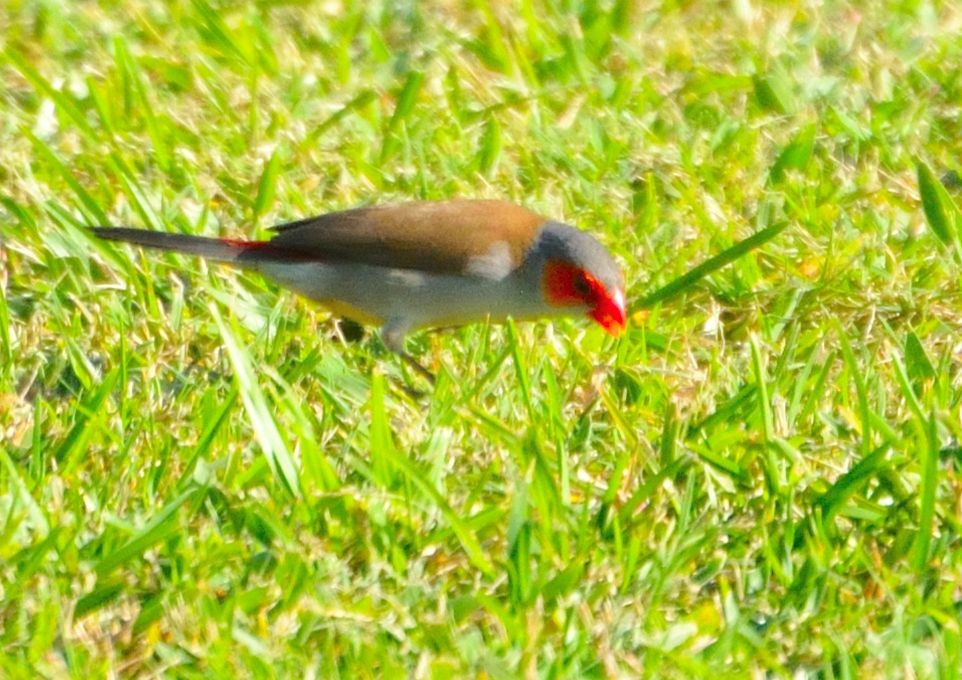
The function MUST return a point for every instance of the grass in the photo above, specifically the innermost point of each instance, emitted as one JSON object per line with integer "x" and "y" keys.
{"x": 761, "y": 477}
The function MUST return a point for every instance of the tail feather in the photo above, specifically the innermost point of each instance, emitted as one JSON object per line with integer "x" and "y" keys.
{"x": 221, "y": 250}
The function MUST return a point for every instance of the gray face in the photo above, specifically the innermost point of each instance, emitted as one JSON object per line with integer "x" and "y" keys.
{"x": 565, "y": 243}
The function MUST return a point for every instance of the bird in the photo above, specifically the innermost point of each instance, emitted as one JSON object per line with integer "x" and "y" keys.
{"x": 424, "y": 264}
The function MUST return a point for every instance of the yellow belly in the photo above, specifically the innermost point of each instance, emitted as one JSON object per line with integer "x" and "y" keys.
{"x": 341, "y": 308}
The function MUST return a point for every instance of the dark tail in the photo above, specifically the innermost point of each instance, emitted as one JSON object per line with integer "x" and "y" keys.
{"x": 219, "y": 249}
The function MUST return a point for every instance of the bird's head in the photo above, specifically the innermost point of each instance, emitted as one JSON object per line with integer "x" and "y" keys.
{"x": 578, "y": 272}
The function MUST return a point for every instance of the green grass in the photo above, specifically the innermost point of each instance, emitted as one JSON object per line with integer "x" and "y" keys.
{"x": 198, "y": 478}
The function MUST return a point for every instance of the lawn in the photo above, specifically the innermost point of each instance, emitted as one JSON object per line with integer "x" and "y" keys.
{"x": 200, "y": 477}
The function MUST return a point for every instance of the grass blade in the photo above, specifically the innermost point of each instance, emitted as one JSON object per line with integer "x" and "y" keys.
{"x": 88, "y": 413}
{"x": 102, "y": 595}
{"x": 712, "y": 264}
{"x": 855, "y": 373}
{"x": 831, "y": 501}
{"x": 89, "y": 206}
{"x": 255, "y": 403}
{"x": 161, "y": 525}
{"x": 490, "y": 151}
{"x": 940, "y": 210}
{"x": 930, "y": 471}
{"x": 266, "y": 186}
{"x": 521, "y": 369}
{"x": 402, "y": 110}
{"x": 43, "y": 87}
{"x": 383, "y": 450}
{"x": 796, "y": 155}
{"x": 466, "y": 537}
{"x": 358, "y": 102}
{"x": 214, "y": 421}
{"x": 24, "y": 496}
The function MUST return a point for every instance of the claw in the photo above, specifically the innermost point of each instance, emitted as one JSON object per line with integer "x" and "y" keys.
{"x": 413, "y": 363}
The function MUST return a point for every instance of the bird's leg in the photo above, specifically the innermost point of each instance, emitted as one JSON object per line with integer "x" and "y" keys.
{"x": 393, "y": 335}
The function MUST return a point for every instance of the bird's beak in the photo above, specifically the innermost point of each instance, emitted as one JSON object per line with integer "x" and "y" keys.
{"x": 610, "y": 312}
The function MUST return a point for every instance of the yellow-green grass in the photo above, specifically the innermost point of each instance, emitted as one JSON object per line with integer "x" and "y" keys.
{"x": 198, "y": 478}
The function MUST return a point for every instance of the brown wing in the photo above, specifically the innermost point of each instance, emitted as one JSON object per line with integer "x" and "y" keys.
{"x": 437, "y": 237}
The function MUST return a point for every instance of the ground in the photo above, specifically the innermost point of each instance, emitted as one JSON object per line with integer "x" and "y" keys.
{"x": 200, "y": 478}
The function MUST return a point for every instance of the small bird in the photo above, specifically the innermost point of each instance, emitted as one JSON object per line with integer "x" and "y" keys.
{"x": 425, "y": 264}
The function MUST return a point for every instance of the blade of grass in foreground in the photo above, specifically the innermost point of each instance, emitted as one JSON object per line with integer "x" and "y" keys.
{"x": 943, "y": 216}
{"x": 214, "y": 418}
{"x": 267, "y": 187}
{"x": 159, "y": 527}
{"x": 22, "y": 493}
{"x": 405, "y": 104}
{"x": 358, "y": 102}
{"x": 930, "y": 471}
{"x": 387, "y": 459}
{"x": 265, "y": 427}
{"x": 383, "y": 450}
{"x": 521, "y": 369}
{"x": 832, "y": 500}
{"x": 61, "y": 99}
{"x": 87, "y": 204}
{"x": 856, "y": 374}
{"x": 7, "y": 342}
{"x": 392, "y": 459}
{"x": 710, "y": 265}
{"x": 88, "y": 414}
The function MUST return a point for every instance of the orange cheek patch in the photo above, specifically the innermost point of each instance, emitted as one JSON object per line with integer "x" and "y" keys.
{"x": 559, "y": 284}
{"x": 567, "y": 286}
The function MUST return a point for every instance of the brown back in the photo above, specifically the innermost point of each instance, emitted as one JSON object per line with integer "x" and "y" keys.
{"x": 437, "y": 237}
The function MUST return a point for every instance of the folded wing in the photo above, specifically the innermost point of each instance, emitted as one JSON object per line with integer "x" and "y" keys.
{"x": 468, "y": 237}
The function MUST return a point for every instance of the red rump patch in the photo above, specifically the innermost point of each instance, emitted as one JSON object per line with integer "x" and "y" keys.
{"x": 244, "y": 245}
{"x": 266, "y": 249}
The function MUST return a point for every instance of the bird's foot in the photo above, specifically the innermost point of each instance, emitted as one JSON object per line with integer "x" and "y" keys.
{"x": 413, "y": 363}
{"x": 393, "y": 336}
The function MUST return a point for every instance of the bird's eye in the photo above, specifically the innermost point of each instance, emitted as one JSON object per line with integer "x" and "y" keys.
{"x": 581, "y": 285}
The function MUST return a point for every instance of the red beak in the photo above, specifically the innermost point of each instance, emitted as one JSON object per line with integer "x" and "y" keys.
{"x": 610, "y": 312}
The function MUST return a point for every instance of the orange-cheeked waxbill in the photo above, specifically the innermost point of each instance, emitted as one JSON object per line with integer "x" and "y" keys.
{"x": 425, "y": 264}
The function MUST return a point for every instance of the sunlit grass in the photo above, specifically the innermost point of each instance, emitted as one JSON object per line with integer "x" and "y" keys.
{"x": 199, "y": 478}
